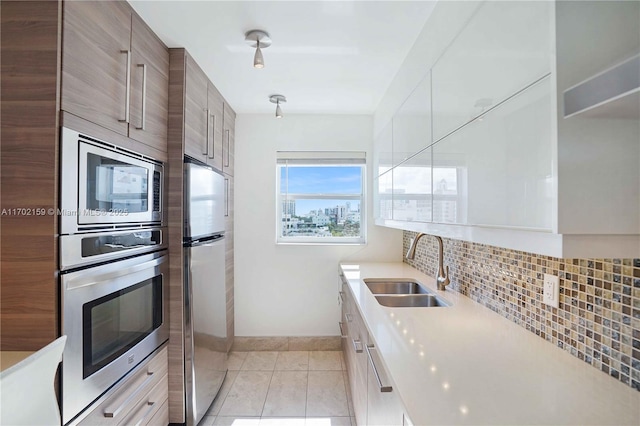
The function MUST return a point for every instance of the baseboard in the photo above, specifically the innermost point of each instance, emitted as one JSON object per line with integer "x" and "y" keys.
{"x": 284, "y": 343}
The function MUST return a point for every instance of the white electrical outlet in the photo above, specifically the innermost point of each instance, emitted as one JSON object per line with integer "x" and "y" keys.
{"x": 551, "y": 290}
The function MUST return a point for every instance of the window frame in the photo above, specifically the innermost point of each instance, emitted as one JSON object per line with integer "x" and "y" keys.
{"x": 321, "y": 159}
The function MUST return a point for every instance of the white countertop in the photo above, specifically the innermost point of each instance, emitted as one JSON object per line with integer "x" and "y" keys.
{"x": 465, "y": 364}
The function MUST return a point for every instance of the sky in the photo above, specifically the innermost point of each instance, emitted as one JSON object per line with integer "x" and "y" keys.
{"x": 322, "y": 180}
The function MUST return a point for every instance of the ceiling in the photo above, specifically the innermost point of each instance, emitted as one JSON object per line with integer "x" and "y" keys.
{"x": 334, "y": 57}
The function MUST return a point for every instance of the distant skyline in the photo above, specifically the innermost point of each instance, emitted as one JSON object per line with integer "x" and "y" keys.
{"x": 324, "y": 180}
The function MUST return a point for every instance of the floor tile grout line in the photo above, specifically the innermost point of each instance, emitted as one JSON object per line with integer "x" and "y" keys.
{"x": 264, "y": 403}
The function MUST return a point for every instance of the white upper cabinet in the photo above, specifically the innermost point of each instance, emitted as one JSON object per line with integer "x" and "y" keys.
{"x": 382, "y": 196}
{"x": 485, "y": 151}
{"x": 382, "y": 151}
{"x": 412, "y": 188}
{"x": 497, "y": 170}
{"x": 505, "y": 47}
{"x": 412, "y": 123}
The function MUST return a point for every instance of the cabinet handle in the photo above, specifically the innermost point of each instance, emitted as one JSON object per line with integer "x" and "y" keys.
{"x": 341, "y": 296}
{"x": 342, "y": 334}
{"x": 150, "y": 410}
{"x": 128, "y": 88}
{"x": 226, "y": 197}
{"x": 349, "y": 317}
{"x": 226, "y": 164}
{"x": 383, "y": 388}
{"x": 212, "y": 152}
{"x": 357, "y": 346}
{"x": 144, "y": 96}
{"x": 206, "y": 140}
{"x": 109, "y": 412}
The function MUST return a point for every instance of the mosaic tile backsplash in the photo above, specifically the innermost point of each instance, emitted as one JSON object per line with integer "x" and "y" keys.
{"x": 598, "y": 318}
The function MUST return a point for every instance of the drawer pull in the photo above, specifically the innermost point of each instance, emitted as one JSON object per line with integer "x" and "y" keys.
{"x": 143, "y": 420}
{"x": 357, "y": 346}
{"x": 383, "y": 388}
{"x": 110, "y": 413}
{"x": 341, "y": 296}
{"x": 342, "y": 333}
{"x": 349, "y": 317}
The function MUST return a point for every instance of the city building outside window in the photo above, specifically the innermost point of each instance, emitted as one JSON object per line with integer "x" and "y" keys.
{"x": 321, "y": 197}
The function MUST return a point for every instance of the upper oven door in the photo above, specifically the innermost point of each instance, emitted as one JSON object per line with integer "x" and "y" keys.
{"x": 103, "y": 186}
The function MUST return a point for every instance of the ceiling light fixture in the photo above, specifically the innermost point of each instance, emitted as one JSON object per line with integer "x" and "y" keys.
{"x": 260, "y": 40}
{"x": 277, "y": 99}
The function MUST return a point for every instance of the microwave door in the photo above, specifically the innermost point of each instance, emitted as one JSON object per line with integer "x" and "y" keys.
{"x": 204, "y": 202}
{"x": 114, "y": 186}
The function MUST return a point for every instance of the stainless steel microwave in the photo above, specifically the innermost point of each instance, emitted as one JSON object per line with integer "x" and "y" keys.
{"x": 106, "y": 187}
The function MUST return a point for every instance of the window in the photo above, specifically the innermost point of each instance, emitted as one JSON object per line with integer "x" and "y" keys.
{"x": 321, "y": 198}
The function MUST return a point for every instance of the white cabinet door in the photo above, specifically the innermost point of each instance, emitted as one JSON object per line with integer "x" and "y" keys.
{"x": 412, "y": 188}
{"x": 497, "y": 170}
{"x": 382, "y": 196}
{"x": 412, "y": 123}
{"x": 505, "y": 47}
{"x": 382, "y": 151}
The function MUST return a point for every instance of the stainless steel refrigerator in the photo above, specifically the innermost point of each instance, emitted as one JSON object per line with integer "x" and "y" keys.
{"x": 205, "y": 331}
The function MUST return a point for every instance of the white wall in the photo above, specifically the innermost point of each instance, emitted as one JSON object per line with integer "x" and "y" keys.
{"x": 293, "y": 290}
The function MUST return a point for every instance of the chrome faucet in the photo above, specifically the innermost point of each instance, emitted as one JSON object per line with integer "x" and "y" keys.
{"x": 443, "y": 278}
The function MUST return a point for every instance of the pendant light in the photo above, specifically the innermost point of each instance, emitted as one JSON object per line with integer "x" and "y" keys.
{"x": 260, "y": 40}
{"x": 277, "y": 99}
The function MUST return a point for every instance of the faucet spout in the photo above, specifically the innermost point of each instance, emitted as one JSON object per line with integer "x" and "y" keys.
{"x": 442, "y": 278}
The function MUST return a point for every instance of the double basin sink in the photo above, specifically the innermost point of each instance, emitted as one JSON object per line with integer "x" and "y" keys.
{"x": 398, "y": 293}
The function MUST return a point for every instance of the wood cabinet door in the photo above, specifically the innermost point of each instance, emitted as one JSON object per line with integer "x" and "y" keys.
{"x": 196, "y": 116}
{"x": 228, "y": 140}
{"x": 95, "y": 54}
{"x": 149, "y": 101}
{"x": 216, "y": 124}
{"x": 383, "y": 407}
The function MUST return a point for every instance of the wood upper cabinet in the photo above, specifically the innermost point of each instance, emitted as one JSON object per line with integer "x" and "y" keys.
{"x": 215, "y": 107}
{"x": 149, "y": 101}
{"x": 196, "y": 130}
{"x": 228, "y": 140}
{"x": 95, "y": 52}
{"x": 115, "y": 71}
{"x": 204, "y": 133}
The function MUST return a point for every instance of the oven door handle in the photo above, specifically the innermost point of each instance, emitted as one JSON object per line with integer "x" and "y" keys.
{"x": 110, "y": 412}
{"x": 89, "y": 277}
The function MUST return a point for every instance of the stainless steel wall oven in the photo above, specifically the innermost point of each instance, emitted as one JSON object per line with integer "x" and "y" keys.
{"x": 114, "y": 267}
{"x": 114, "y": 316}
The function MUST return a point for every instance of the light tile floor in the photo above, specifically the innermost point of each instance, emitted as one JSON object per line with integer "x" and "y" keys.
{"x": 294, "y": 388}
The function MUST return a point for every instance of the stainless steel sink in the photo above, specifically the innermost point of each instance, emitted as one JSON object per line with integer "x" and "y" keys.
{"x": 411, "y": 301}
{"x": 395, "y": 287}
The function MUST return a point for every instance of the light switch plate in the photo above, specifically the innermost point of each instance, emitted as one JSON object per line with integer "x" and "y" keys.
{"x": 551, "y": 290}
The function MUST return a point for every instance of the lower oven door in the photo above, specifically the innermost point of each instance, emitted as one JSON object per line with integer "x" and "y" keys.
{"x": 114, "y": 316}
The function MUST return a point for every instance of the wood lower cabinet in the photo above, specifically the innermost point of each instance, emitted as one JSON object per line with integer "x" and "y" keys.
{"x": 115, "y": 71}
{"x": 375, "y": 400}
{"x": 140, "y": 399}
